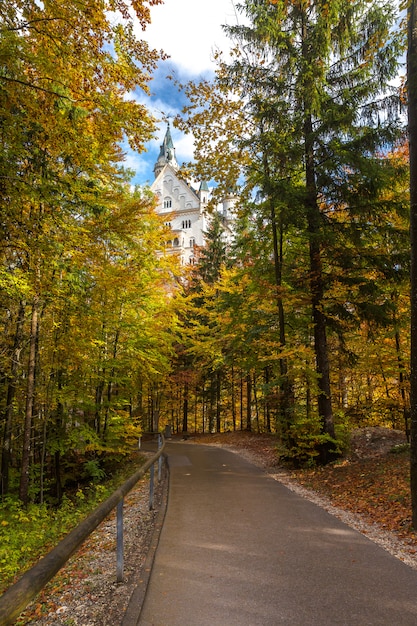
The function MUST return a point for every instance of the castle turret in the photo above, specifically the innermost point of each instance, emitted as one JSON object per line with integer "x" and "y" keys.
{"x": 228, "y": 204}
{"x": 166, "y": 154}
{"x": 203, "y": 193}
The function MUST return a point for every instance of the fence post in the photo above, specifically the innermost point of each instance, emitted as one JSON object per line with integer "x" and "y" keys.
{"x": 119, "y": 541}
{"x": 160, "y": 458}
{"x": 151, "y": 487}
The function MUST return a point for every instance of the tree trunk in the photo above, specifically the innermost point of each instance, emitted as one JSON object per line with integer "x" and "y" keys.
{"x": 315, "y": 242}
{"x": 267, "y": 403}
{"x": 139, "y": 401}
{"x": 99, "y": 405}
{"x": 195, "y": 408}
{"x": 241, "y": 401}
{"x": 185, "y": 409}
{"x": 401, "y": 385}
{"x": 11, "y": 392}
{"x": 233, "y": 400}
{"x": 248, "y": 402}
{"x": 203, "y": 406}
{"x": 57, "y": 455}
{"x": 412, "y": 133}
{"x": 212, "y": 403}
{"x": 30, "y": 396}
{"x": 317, "y": 289}
{"x": 309, "y": 394}
{"x": 218, "y": 401}
{"x": 287, "y": 392}
{"x": 255, "y": 398}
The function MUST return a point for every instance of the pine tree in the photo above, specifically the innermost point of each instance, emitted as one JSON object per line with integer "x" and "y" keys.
{"x": 311, "y": 82}
{"x": 213, "y": 255}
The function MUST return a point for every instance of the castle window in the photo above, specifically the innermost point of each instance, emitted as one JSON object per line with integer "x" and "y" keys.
{"x": 168, "y": 224}
{"x": 176, "y": 242}
{"x": 192, "y": 242}
{"x": 167, "y": 203}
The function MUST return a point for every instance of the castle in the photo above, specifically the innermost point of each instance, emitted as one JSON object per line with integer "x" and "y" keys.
{"x": 185, "y": 208}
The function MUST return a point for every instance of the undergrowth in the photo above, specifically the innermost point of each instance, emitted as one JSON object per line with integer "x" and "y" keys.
{"x": 28, "y": 533}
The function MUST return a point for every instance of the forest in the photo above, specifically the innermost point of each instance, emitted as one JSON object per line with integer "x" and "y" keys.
{"x": 300, "y": 328}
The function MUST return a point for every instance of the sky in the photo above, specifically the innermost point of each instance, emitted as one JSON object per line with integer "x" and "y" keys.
{"x": 188, "y": 31}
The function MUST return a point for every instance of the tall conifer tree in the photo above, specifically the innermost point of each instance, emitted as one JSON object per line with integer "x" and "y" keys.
{"x": 313, "y": 84}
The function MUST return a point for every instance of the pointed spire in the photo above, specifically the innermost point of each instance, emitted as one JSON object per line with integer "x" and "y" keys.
{"x": 166, "y": 154}
{"x": 168, "y": 139}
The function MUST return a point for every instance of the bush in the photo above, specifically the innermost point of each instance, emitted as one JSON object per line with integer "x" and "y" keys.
{"x": 302, "y": 443}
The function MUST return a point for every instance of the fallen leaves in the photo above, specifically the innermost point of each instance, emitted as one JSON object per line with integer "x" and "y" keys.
{"x": 376, "y": 488}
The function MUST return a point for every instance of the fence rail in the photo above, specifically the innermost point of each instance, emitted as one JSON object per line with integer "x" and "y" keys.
{"x": 18, "y": 596}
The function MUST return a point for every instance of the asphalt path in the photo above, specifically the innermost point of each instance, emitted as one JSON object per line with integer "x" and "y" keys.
{"x": 239, "y": 548}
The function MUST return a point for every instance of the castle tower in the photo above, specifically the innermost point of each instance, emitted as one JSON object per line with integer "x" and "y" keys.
{"x": 203, "y": 194}
{"x": 228, "y": 205}
{"x": 183, "y": 208}
{"x": 166, "y": 154}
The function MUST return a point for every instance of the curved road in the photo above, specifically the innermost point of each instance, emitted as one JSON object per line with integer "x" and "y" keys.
{"x": 238, "y": 548}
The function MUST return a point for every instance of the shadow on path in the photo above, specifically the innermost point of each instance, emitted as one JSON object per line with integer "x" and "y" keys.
{"x": 238, "y": 548}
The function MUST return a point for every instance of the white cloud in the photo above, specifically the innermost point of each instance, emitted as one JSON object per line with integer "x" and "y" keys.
{"x": 184, "y": 148}
{"x": 134, "y": 161}
{"x": 190, "y": 30}
{"x": 160, "y": 108}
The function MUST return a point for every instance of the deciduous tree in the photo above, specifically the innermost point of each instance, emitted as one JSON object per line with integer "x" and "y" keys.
{"x": 81, "y": 282}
